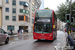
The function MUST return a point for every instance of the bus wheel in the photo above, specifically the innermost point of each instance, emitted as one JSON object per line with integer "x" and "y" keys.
{"x": 52, "y": 40}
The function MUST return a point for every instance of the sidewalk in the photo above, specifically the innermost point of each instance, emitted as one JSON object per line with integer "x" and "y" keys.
{"x": 16, "y": 34}
{"x": 71, "y": 41}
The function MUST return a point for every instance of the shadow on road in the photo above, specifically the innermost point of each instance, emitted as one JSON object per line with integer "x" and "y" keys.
{"x": 2, "y": 44}
{"x": 44, "y": 41}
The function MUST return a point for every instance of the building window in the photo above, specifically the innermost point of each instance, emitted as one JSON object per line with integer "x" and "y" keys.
{"x": 27, "y": 11}
{"x": 33, "y": 3}
{"x": 7, "y": 9}
{"x": 13, "y": 2}
{"x": 21, "y": 18}
{"x": 7, "y": 1}
{"x": 36, "y": 7}
{"x": 10, "y": 27}
{"x": 14, "y": 18}
{"x": 21, "y": 10}
{"x": 14, "y": 10}
{"x": 33, "y": 9}
{"x": 32, "y": 20}
{"x": 26, "y": 18}
{"x": 24, "y": 3}
{"x": 24, "y": 11}
{"x": 7, "y": 17}
{"x": 21, "y": 3}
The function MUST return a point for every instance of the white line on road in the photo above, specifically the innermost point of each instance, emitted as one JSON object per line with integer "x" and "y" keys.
{"x": 15, "y": 35}
{"x": 58, "y": 44}
{"x": 11, "y": 43}
{"x": 55, "y": 48}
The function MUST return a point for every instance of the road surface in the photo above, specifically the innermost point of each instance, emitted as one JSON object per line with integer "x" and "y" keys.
{"x": 25, "y": 42}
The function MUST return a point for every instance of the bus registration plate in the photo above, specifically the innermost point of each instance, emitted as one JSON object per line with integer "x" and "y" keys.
{"x": 42, "y": 39}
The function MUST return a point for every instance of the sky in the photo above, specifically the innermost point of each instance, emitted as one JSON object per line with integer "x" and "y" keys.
{"x": 52, "y": 4}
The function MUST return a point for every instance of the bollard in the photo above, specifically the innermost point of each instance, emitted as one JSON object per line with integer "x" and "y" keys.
{"x": 69, "y": 32}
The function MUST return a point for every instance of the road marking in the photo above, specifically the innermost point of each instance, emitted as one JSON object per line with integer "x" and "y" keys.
{"x": 55, "y": 48}
{"x": 11, "y": 43}
{"x": 58, "y": 44}
{"x": 15, "y": 35}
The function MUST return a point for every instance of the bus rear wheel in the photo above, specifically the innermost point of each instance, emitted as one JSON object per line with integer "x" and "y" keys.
{"x": 52, "y": 40}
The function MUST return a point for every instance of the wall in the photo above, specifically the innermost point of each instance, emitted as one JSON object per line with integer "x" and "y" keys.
{"x": 0, "y": 3}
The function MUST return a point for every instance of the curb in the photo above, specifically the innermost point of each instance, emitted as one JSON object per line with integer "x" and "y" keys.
{"x": 19, "y": 34}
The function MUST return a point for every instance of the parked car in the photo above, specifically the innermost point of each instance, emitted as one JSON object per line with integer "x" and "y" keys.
{"x": 4, "y": 37}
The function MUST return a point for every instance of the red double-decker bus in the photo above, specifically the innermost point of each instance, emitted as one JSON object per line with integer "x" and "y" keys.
{"x": 45, "y": 25}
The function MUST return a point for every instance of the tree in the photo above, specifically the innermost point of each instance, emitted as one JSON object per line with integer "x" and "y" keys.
{"x": 73, "y": 8}
{"x": 63, "y": 9}
{"x": 67, "y": 0}
{"x": 73, "y": 26}
{"x": 47, "y": 8}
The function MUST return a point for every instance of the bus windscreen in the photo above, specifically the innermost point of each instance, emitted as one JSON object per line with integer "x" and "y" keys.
{"x": 43, "y": 28}
{"x": 43, "y": 13}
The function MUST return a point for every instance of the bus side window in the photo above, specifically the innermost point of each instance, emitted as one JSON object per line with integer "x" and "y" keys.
{"x": 55, "y": 17}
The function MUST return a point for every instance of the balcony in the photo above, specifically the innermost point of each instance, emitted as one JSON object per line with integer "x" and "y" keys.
{"x": 25, "y": 4}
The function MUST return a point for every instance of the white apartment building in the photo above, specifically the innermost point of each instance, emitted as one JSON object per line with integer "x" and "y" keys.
{"x": 18, "y": 14}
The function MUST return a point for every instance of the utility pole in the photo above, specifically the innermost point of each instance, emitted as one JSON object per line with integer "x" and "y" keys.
{"x": 70, "y": 7}
{"x": 59, "y": 24}
{"x": 70, "y": 13}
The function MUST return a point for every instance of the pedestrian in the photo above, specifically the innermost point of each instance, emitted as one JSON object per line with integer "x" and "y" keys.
{"x": 65, "y": 30}
{"x": 20, "y": 31}
{"x": 11, "y": 31}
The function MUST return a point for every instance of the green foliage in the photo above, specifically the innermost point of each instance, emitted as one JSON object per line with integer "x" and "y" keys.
{"x": 73, "y": 26}
{"x": 67, "y": 0}
{"x": 64, "y": 9}
{"x": 73, "y": 8}
{"x": 47, "y": 8}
